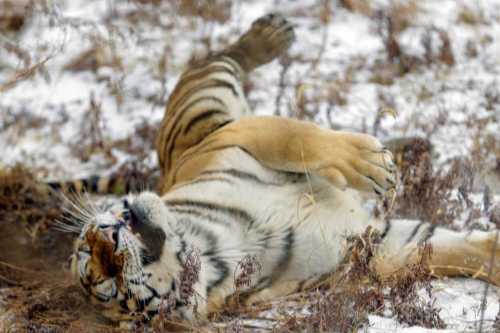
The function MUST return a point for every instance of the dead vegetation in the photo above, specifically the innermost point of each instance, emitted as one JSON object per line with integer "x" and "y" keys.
{"x": 23, "y": 201}
{"x": 355, "y": 286}
{"x": 13, "y": 16}
{"x": 426, "y": 193}
{"x": 343, "y": 301}
{"x": 440, "y": 195}
{"x": 40, "y": 305}
{"x": 472, "y": 16}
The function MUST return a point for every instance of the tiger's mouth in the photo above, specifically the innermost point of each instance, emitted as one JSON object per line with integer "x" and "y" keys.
{"x": 112, "y": 231}
{"x": 135, "y": 222}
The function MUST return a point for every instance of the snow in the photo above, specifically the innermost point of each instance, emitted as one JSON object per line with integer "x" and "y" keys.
{"x": 458, "y": 91}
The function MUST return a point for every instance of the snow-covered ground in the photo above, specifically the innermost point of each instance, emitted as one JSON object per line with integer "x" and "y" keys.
{"x": 337, "y": 54}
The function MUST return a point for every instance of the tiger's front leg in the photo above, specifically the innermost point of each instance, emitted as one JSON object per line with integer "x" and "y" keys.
{"x": 344, "y": 159}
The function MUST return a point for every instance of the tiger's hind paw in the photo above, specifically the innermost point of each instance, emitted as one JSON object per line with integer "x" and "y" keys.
{"x": 269, "y": 37}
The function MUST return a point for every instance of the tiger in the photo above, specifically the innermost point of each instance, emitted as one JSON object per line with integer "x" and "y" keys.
{"x": 285, "y": 191}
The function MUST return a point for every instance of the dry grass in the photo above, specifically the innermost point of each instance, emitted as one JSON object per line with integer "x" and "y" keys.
{"x": 355, "y": 291}
{"x": 357, "y": 6}
{"x": 13, "y": 16}
{"x": 472, "y": 16}
{"x": 50, "y": 303}
{"x": 23, "y": 201}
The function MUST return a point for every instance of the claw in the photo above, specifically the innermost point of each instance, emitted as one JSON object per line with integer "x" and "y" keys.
{"x": 389, "y": 165}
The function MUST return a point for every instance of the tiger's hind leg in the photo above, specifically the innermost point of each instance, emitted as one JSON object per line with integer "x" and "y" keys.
{"x": 210, "y": 96}
{"x": 454, "y": 253}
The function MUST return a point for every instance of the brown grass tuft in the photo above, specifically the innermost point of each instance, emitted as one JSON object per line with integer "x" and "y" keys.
{"x": 357, "y": 6}
{"x": 27, "y": 202}
{"x": 426, "y": 193}
{"x": 406, "y": 304}
{"x": 13, "y": 16}
{"x": 209, "y": 10}
{"x": 470, "y": 16}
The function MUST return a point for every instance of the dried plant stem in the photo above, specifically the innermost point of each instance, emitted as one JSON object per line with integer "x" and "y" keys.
{"x": 488, "y": 281}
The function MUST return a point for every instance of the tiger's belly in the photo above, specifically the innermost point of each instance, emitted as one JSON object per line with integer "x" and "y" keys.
{"x": 245, "y": 208}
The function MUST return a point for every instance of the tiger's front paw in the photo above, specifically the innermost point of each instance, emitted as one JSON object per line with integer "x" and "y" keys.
{"x": 359, "y": 161}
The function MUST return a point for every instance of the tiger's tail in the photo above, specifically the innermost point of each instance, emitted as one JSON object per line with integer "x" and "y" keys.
{"x": 114, "y": 184}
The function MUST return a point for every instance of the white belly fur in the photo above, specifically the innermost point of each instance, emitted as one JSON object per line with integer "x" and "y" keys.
{"x": 320, "y": 228}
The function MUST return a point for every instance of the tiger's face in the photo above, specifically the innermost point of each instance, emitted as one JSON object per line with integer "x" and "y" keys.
{"x": 116, "y": 253}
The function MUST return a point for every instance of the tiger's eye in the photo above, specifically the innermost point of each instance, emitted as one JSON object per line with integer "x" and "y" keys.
{"x": 126, "y": 215}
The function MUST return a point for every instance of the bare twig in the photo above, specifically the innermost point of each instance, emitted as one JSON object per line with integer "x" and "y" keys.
{"x": 488, "y": 281}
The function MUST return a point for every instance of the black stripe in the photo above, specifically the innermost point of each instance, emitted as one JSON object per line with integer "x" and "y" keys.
{"x": 193, "y": 228}
{"x": 204, "y": 180}
{"x": 286, "y": 256}
{"x": 181, "y": 251}
{"x": 152, "y": 313}
{"x": 164, "y": 138}
{"x": 178, "y": 106}
{"x": 212, "y": 83}
{"x": 187, "y": 158}
{"x": 55, "y": 185}
{"x": 72, "y": 187}
{"x": 94, "y": 182}
{"x": 211, "y": 64}
{"x": 198, "y": 73}
{"x": 222, "y": 271}
{"x": 231, "y": 211}
{"x": 123, "y": 304}
{"x": 240, "y": 175}
{"x": 177, "y": 122}
{"x": 207, "y": 114}
{"x": 85, "y": 285}
{"x": 430, "y": 232}
{"x": 104, "y": 298}
{"x": 174, "y": 118}
{"x": 388, "y": 226}
{"x": 172, "y": 147}
{"x": 217, "y": 126}
{"x": 99, "y": 282}
{"x": 414, "y": 232}
{"x": 141, "y": 304}
{"x": 127, "y": 185}
{"x": 139, "y": 282}
{"x": 195, "y": 213}
{"x": 230, "y": 61}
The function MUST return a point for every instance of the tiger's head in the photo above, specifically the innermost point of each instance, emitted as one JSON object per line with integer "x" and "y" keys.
{"x": 122, "y": 254}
